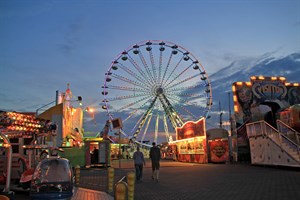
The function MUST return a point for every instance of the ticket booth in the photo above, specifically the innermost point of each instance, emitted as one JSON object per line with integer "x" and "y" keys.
{"x": 97, "y": 152}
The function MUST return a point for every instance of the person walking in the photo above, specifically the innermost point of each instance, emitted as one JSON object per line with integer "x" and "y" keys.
{"x": 139, "y": 162}
{"x": 155, "y": 157}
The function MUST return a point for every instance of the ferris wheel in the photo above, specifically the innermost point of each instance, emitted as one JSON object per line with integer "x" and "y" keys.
{"x": 155, "y": 86}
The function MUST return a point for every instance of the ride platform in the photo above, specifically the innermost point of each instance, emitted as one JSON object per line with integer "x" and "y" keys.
{"x": 82, "y": 193}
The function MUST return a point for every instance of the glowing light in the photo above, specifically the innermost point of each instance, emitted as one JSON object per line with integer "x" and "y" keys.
{"x": 233, "y": 88}
{"x": 236, "y": 108}
{"x": 234, "y": 98}
{"x": 248, "y": 83}
{"x": 296, "y": 84}
{"x": 6, "y": 145}
{"x": 282, "y": 78}
{"x": 239, "y": 83}
{"x": 273, "y": 78}
{"x": 261, "y": 77}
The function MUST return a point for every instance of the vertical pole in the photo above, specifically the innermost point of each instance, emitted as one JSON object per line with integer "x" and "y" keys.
{"x": 229, "y": 109}
{"x": 131, "y": 183}
{"x": 119, "y": 149}
{"x": 9, "y": 161}
{"x": 111, "y": 175}
{"x": 221, "y": 113}
{"x": 77, "y": 175}
{"x": 230, "y": 149}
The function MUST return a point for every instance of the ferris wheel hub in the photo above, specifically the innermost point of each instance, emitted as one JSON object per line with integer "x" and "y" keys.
{"x": 159, "y": 91}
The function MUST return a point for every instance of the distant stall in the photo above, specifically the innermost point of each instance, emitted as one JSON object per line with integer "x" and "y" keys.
{"x": 191, "y": 142}
{"x": 217, "y": 145}
{"x": 97, "y": 152}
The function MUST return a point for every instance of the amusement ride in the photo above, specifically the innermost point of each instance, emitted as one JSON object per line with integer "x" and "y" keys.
{"x": 155, "y": 86}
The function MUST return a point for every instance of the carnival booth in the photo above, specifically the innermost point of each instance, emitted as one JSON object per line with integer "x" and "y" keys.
{"x": 266, "y": 108}
{"x": 97, "y": 152}
{"x": 26, "y": 135}
{"x": 67, "y": 115}
{"x": 191, "y": 142}
{"x": 217, "y": 145}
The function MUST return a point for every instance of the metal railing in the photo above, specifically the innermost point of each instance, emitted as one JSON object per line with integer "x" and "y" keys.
{"x": 288, "y": 131}
{"x": 262, "y": 128}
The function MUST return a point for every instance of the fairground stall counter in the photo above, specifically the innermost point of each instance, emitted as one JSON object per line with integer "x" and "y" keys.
{"x": 190, "y": 144}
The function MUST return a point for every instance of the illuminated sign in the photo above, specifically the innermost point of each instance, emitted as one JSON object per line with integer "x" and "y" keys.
{"x": 191, "y": 129}
{"x": 269, "y": 90}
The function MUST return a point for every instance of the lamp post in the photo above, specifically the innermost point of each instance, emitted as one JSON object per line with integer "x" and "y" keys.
{"x": 119, "y": 132}
{"x": 117, "y": 124}
{"x": 119, "y": 141}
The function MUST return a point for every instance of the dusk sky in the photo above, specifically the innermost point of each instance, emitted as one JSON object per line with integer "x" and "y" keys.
{"x": 46, "y": 44}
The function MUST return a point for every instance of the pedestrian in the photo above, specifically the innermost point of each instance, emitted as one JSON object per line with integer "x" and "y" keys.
{"x": 155, "y": 157}
{"x": 127, "y": 154}
{"x": 139, "y": 162}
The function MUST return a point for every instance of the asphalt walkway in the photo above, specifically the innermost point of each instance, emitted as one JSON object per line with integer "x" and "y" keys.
{"x": 188, "y": 181}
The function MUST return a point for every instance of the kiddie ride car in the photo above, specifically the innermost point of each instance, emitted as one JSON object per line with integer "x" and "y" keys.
{"x": 52, "y": 179}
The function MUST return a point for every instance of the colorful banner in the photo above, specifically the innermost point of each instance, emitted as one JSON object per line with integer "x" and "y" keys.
{"x": 192, "y": 146}
{"x": 191, "y": 129}
{"x": 263, "y": 96}
{"x": 218, "y": 150}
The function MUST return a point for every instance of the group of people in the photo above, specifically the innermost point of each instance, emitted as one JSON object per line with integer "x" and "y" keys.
{"x": 139, "y": 162}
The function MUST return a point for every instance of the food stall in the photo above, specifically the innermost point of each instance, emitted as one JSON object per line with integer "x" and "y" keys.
{"x": 191, "y": 142}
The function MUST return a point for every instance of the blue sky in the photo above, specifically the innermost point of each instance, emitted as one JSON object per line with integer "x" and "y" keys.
{"x": 46, "y": 44}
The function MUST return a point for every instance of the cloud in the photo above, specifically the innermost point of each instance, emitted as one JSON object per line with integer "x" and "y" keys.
{"x": 71, "y": 37}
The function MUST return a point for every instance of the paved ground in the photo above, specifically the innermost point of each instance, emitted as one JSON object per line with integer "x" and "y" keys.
{"x": 186, "y": 181}
{"x": 220, "y": 181}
